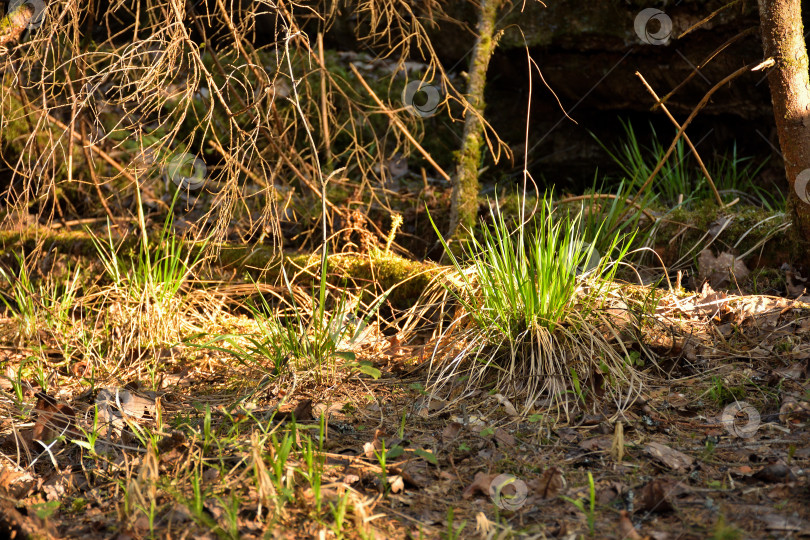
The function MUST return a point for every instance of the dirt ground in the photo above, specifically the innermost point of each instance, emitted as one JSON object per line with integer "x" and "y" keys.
{"x": 715, "y": 444}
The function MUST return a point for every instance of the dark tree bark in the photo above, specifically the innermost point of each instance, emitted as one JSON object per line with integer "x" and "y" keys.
{"x": 783, "y": 40}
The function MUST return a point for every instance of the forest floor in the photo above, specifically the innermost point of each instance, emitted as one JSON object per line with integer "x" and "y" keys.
{"x": 218, "y": 435}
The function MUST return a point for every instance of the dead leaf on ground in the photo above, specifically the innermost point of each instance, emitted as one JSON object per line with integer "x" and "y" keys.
{"x": 721, "y": 270}
{"x": 608, "y": 491}
{"x": 504, "y": 437}
{"x": 673, "y": 459}
{"x": 396, "y": 483}
{"x": 14, "y": 524}
{"x": 480, "y": 485}
{"x": 549, "y": 484}
{"x": 60, "y": 484}
{"x": 351, "y": 478}
{"x": 796, "y": 284}
{"x": 601, "y": 443}
{"x": 795, "y": 372}
{"x": 117, "y": 404}
{"x": 429, "y": 406}
{"x": 301, "y": 413}
{"x": 775, "y": 473}
{"x": 415, "y": 473}
{"x": 568, "y": 435}
{"x": 394, "y": 346}
{"x": 507, "y": 405}
{"x": 793, "y": 411}
{"x": 710, "y": 303}
{"x": 375, "y": 445}
{"x": 626, "y": 527}
{"x": 17, "y": 483}
{"x": 53, "y": 419}
{"x": 451, "y": 431}
{"x": 658, "y": 495}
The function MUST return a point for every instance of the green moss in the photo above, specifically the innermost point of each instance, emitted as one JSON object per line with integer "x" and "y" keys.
{"x": 410, "y": 278}
{"x": 376, "y": 271}
{"x": 746, "y": 221}
{"x": 14, "y": 128}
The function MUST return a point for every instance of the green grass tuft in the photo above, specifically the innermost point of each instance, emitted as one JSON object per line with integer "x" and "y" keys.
{"x": 532, "y": 297}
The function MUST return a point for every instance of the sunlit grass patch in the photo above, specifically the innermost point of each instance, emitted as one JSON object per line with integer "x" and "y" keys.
{"x": 145, "y": 297}
{"x": 532, "y": 317}
{"x": 45, "y": 307}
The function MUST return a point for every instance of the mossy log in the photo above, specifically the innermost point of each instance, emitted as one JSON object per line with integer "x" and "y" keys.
{"x": 377, "y": 271}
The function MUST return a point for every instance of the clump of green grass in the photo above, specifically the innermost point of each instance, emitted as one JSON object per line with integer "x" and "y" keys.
{"x": 736, "y": 176}
{"x": 722, "y": 393}
{"x": 532, "y": 299}
{"x": 676, "y": 179}
{"x": 603, "y": 211}
{"x": 44, "y": 307}
{"x": 144, "y": 303}
{"x": 681, "y": 181}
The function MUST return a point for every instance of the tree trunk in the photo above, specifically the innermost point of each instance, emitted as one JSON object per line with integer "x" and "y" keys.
{"x": 464, "y": 199}
{"x": 14, "y": 23}
{"x": 783, "y": 40}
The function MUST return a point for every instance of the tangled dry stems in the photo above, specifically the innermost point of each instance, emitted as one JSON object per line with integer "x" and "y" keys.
{"x": 96, "y": 104}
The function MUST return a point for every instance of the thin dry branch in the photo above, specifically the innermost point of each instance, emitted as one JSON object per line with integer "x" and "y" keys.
{"x": 685, "y": 137}
{"x": 397, "y": 122}
{"x": 705, "y": 62}
{"x": 750, "y": 67}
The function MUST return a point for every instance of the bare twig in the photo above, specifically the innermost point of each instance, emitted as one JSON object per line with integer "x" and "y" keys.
{"x": 685, "y": 137}
{"x": 327, "y": 144}
{"x": 707, "y": 18}
{"x": 397, "y": 122}
{"x": 750, "y": 67}
{"x": 712, "y": 55}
